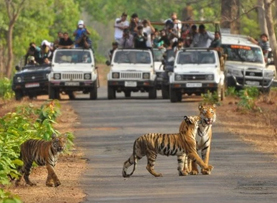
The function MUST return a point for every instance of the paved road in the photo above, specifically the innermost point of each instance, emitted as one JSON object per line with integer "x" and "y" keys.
{"x": 108, "y": 129}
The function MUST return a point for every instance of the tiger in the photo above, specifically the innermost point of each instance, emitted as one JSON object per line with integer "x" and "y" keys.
{"x": 203, "y": 139}
{"x": 42, "y": 153}
{"x": 176, "y": 144}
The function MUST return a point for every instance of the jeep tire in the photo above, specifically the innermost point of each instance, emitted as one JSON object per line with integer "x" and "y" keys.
{"x": 165, "y": 92}
{"x": 152, "y": 93}
{"x": 93, "y": 92}
{"x": 18, "y": 95}
{"x": 111, "y": 93}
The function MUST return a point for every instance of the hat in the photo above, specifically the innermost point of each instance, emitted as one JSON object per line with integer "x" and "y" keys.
{"x": 80, "y": 23}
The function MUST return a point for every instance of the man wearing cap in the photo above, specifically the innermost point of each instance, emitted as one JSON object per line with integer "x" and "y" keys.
{"x": 120, "y": 24}
{"x": 80, "y": 32}
{"x": 202, "y": 38}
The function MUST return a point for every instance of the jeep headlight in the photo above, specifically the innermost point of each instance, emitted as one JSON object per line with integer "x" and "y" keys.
{"x": 146, "y": 75}
{"x": 178, "y": 77}
{"x": 87, "y": 76}
{"x": 209, "y": 77}
{"x": 19, "y": 79}
{"x": 235, "y": 72}
{"x": 57, "y": 76}
{"x": 115, "y": 75}
{"x": 268, "y": 74}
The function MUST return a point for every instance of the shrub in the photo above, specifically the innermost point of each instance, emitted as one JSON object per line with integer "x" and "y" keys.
{"x": 6, "y": 92}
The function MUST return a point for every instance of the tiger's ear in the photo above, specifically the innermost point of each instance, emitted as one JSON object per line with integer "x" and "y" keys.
{"x": 187, "y": 119}
{"x": 200, "y": 107}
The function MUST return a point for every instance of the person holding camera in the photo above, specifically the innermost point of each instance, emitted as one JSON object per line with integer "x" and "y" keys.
{"x": 140, "y": 39}
{"x": 149, "y": 30}
{"x": 34, "y": 51}
{"x": 46, "y": 49}
{"x": 127, "y": 40}
{"x": 84, "y": 42}
{"x": 120, "y": 24}
{"x": 134, "y": 23}
{"x": 80, "y": 33}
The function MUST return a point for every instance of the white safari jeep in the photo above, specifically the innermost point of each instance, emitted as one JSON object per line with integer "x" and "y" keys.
{"x": 245, "y": 64}
{"x": 196, "y": 71}
{"x": 131, "y": 70}
{"x": 73, "y": 70}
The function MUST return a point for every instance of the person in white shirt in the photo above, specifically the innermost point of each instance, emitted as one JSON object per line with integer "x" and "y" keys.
{"x": 120, "y": 24}
{"x": 148, "y": 29}
{"x": 202, "y": 38}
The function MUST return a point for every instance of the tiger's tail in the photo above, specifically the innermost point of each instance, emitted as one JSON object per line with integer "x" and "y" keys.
{"x": 132, "y": 160}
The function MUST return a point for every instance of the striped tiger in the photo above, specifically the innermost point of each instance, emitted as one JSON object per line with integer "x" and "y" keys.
{"x": 177, "y": 144}
{"x": 42, "y": 153}
{"x": 203, "y": 139}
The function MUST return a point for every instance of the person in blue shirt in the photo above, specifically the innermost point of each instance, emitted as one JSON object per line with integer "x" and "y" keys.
{"x": 80, "y": 33}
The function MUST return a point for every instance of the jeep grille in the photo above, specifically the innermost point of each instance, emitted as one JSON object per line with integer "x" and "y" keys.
{"x": 194, "y": 77}
{"x": 33, "y": 77}
{"x": 72, "y": 76}
{"x": 131, "y": 75}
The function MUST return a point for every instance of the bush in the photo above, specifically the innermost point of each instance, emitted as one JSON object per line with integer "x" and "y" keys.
{"x": 210, "y": 98}
{"x": 6, "y": 92}
{"x": 248, "y": 97}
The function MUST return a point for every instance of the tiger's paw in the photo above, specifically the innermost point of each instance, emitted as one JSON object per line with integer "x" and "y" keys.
{"x": 57, "y": 183}
{"x": 31, "y": 183}
{"x": 158, "y": 175}
{"x": 183, "y": 173}
{"x": 49, "y": 183}
{"x": 194, "y": 172}
{"x": 205, "y": 172}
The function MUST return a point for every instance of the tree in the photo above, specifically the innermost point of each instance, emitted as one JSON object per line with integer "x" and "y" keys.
{"x": 270, "y": 26}
{"x": 13, "y": 9}
{"x": 230, "y": 14}
{"x": 261, "y": 16}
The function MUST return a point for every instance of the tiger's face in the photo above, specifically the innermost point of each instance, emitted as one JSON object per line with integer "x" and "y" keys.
{"x": 58, "y": 143}
{"x": 207, "y": 114}
{"x": 192, "y": 121}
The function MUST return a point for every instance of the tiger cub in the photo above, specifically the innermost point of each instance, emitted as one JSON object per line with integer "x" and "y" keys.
{"x": 203, "y": 138}
{"x": 178, "y": 144}
{"x": 42, "y": 153}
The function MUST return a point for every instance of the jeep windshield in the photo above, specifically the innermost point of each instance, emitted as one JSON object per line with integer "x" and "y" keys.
{"x": 158, "y": 54}
{"x": 195, "y": 57}
{"x": 243, "y": 53}
{"x": 132, "y": 57}
{"x": 63, "y": 56}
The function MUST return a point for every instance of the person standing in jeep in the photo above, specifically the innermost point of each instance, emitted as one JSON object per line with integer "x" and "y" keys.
{"x": 140, "y": 38}
{"x": 81, "y": 34}
{"x": 120, "y": 24}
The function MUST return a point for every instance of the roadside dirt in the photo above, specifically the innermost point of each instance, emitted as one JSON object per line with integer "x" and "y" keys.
{"x": 258, "y": 128}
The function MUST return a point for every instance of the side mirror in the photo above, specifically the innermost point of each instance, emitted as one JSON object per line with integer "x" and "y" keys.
{"x": 17, "y": 68}
{"x": 108, "y": 63}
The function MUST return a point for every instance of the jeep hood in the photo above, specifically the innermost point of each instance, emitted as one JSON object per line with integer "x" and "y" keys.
{"x": 197, "y": 68}
{"x": 132, "y": 67}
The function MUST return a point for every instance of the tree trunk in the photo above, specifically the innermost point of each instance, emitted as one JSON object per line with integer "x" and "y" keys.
{"x": 261, "y": 17}
{"x": 10, "y": 51}
{"x": 229, "y": 14}
{"x": 270, "y": 27}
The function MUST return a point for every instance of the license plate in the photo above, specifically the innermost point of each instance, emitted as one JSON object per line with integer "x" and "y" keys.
{"x": 130, "y": 83}
{"x": 30, "y": 85}
{"x": 71, "y": 83}
{"x": 253, "y": 83}
{"x": 194, "y": 84}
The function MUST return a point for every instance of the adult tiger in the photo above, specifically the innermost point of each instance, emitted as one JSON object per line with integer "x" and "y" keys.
{"x": 203, "y": 139}
{"x": 43, "y": 153}
{"x": 180, "y": 144}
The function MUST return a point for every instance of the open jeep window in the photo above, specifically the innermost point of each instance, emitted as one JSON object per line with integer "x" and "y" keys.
{"x": 132, "y": 57}
{"x": 196, "y": 57}
{"x": 72, "y": 57}
{"x": 243, "y": 53}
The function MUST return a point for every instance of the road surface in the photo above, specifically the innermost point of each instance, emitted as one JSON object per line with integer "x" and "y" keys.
{"x": 108, "y": 129}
